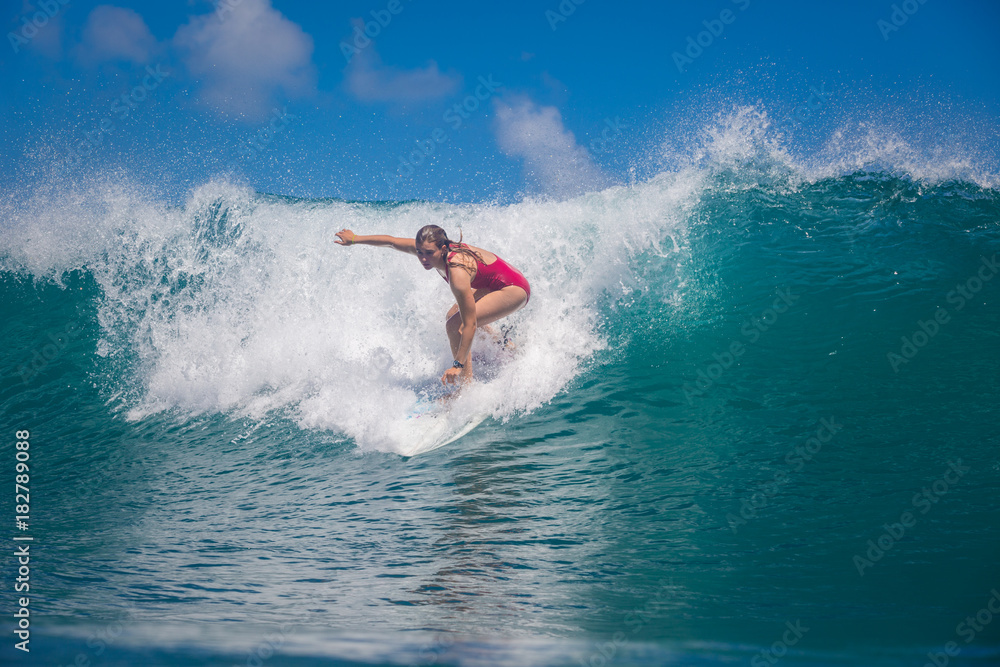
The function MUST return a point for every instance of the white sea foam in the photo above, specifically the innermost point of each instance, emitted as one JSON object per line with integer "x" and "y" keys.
{"x": 242, "y": 304}
{"x": 749, "y": 139}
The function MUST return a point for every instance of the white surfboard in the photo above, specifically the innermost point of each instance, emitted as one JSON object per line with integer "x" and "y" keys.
{"x": 436, "y": 420}
{"x": 433, "y": 423}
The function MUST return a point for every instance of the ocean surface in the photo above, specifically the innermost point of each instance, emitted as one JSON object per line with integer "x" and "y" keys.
{"x": 752, "y": 418}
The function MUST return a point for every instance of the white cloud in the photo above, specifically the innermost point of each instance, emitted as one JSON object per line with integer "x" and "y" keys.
{"x": 371, "y": 81}
{"x": 248, "y": 56}
{"x": 552, "y": 158}
{"x": 115, "y": 33}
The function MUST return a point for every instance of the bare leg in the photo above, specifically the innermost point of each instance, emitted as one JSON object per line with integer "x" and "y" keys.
{"x": 490, "y": 307}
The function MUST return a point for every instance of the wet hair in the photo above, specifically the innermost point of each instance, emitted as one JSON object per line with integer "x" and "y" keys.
{"x": 437, "y": 236}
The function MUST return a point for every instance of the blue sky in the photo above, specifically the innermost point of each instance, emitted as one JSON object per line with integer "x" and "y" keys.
{"x": 503, "y": 99}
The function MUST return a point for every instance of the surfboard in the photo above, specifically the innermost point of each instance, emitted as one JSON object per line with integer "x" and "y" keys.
{"x": 439, "y": 418}
{"x": 433, "y": 423}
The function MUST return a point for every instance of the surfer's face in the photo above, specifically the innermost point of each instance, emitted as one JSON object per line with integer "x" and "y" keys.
{"x": 430, "y": 255}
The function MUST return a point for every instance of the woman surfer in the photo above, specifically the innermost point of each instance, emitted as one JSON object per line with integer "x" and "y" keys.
{"x": 486, "y": 288}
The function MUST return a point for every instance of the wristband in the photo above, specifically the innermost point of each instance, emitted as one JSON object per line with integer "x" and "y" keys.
{"x": 458, "y": 364}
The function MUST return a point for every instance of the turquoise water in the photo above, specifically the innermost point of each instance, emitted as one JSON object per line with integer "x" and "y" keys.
{"x": 711, "y": 413}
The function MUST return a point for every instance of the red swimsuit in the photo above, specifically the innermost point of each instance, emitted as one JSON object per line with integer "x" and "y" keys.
{"x": 495, "y": 276}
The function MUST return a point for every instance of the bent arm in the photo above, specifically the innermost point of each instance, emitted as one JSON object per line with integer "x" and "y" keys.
{"x": 461, "y": 287}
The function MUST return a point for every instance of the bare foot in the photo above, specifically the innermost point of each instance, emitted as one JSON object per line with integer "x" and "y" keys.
{"x": 490, "y": 331}
{"x": 500, "y": 338}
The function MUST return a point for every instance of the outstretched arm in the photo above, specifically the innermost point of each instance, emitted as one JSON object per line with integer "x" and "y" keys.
{"x": 347, "y": 237}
